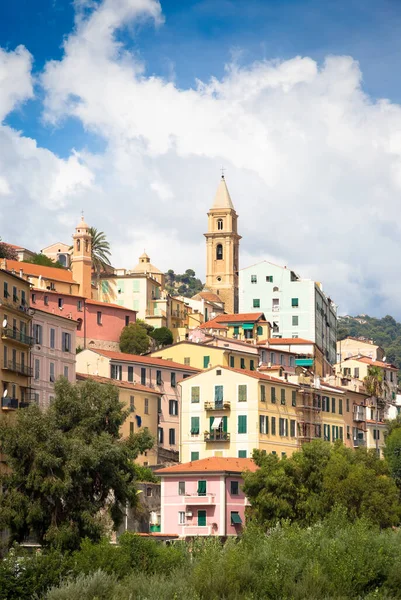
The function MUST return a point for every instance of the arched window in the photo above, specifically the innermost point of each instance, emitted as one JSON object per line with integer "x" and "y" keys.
{"x": 275, "y": 289}
{"x": 220, "y": 224}
{"x": 78, "y": 245}
{"x": 79, "y": 324}
{"x": 219, "y": 252}
{"x": 86, "y": 245}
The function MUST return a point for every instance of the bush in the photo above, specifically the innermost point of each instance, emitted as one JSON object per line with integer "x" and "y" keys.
{"x": 98, "y": 586}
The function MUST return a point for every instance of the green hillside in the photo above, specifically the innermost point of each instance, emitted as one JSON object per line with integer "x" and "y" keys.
{"x": 385, "y": 332}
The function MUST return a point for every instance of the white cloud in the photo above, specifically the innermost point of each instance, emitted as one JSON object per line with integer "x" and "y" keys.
{"x": 313, "y": 164}
{"x": 15, "y": 79}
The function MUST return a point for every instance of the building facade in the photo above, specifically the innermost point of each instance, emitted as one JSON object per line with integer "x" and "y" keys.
{"x": 295, "y": 307}
{"x": 352, "y": 346}
{"x": 204, "y": 497}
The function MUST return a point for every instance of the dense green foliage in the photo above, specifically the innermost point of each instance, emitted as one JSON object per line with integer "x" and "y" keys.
{"x": 7, "y": 251}
{"x": 385, "y": 332}
{"x": 183, "y": 285}
{"x": 68, "y": 465}
{"x": 307, "y": 486}
{"x": 44, "y": 261}
{"x": 334, "y": 560}
{"x": 100, "y": 250}
{"x": 134, "y": 339}
{"x": 162, "y": 336}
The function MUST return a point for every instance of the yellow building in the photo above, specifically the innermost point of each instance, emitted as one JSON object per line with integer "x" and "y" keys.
{"x": 142, "y": 403}
{"x": 16, "y": 341}
{"x": 222, "y": 249}
{"x": 358, "y": 367}
{"x": 249, "y": 327}
{"x": 204, "y": 356}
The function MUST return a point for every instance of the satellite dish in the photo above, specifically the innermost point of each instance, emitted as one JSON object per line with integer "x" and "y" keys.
{"x": 5, "y": 393}
{"x": 5, "y": 322}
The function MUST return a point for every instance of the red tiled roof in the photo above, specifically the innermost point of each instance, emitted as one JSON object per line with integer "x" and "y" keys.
{"x": 214, "y": 464}
{"x": 146, "y": 360}
{"x": 36, "y": 270}
{"x": 373, "y": 363}
{"x": 105, "y": 304}
{"x": 210, "y": 297}
{"x": 121, "y": 384}
{"x": 212, "y": 325}
{"x": 254, "y": 374}
{"x": 285, "y": 341}
{"x": 240, "y": 318}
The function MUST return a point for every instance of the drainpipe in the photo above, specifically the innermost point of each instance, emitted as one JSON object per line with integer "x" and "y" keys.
{"x": 84, "y": 323}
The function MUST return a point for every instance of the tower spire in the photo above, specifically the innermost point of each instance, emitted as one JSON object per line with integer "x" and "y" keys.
{"x": 222, "y": 198}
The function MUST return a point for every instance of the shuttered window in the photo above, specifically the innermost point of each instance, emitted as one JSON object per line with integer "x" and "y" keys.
{"x": 194, "y": 425}
{"x": 242, "y": 393}
{"x": 195, "y": 394}
{"x": 242, "y": 423}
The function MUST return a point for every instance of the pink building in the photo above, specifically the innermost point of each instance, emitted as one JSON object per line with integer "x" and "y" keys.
{"x": 52, "y": 354}
{"x": 159, "y": 374}
{"x": 204, "y": 497}
{"x": 99, "y": 324}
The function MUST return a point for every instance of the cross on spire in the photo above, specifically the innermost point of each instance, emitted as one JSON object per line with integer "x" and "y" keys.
{"x": 222, "y": 172}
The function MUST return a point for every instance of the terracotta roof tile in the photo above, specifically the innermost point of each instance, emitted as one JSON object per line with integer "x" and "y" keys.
{"x": 105, "y": 304}
{"x": 37, "y": 270}
{"x": 239, "y": 318}
{"x": 214, "y": 464}
{"x": 210, "y": 297}
{"x": 373, "y": 363}
{"x": 253, "y": 374}
{"x": 146, "y": 360}
{"x": 212, "y": 325}
{"x": 285, "y": 341}
{"x": 121, "y": 384}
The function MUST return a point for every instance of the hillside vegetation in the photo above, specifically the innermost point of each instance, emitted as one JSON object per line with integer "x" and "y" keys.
{"x": 385, "y": 332}
{"x": 187, "y": 284}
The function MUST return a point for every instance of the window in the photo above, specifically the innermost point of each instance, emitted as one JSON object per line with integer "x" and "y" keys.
{"x": 242, "y": 423}
{"x": 187, "y": 361}
{"x": 241, "y": 453}
{"x": 173, "y": 407}
{"x": 160, "y": 435}
{"x": 242, "y": 393}
{"x": 356, "y": 372}
{"x": 159, "y": 378}
{"x": 292, "y": 361}
{"x": 66, "y": 342}
{"x": 66, "y": 372}
{"x": 172, "y": 380}
{"x": 116, "y": 372}
{"x": 263, "y": 393}
{"x": 219, "y": 252}
{"x": 282, "y": 395}
{"x": 195, "y": 394}
{"x": 376, "y": 434}
{"x": 194, "y": 425}
{"x": 254, "y": 279}
{"x": 232, "y": 362}
{"x": 206, "y": 361}
{"x": 132, "y": 403}
{"x": 202, "y": 487}
{"x": 294, "y": 321}
{"x": 333, "y": 405}
{"x": 218, "y": 395}
{"x": 46, "y": 300}
{"x": 347, "y": 404}
{"x": 259, "y": 330}
{"x": 33, "y": 297}
{"x": 341, "y": 434}
{"x": 79, "y": 305}
{"x": 219, "y": 224}
{"x": 236, "y": 330}
{"x": 181, "y": 517}
{"x": 273, "y": 395}
{"x": 273, "y": 422}
{"x": 52, "y": 338}
{"x": 326, "y": 433}
{"x": 5, "y": 290}
{"x": 52, "y": 375}
{"x": 348, "y": 433}
{"x": 263, "y": 424}
{"x": 171, "y": 437}
{"x": 60, "y": 302}
{"x": 242, "y": 363}
{"x": 37, "y": 369}
{"x": 269, "y": 279}
{"x": 181, "y": 488}
{"x": 143, "y": 376}
{"x": 131, "y": 374}
{"x": 340, "y": 406}
{"x": 234, "y": 488}
{"x": 38, "y": 334}
{"x": 23, "y": 298}
{"x": 283, "y": 427}
{"x": 194, "y": 456}
{"x": 272, "y": 358}
{"x": 99, "y": 317}
{"x": 201, "y": 518}
{"x": 15, "y": 295}
{"x": 131, "y": 428}
{"x": 146, "y": 406}
{"x": 293, "y": 398}
{"x": 294, "y": 302}
{"x": 256, "y": 303}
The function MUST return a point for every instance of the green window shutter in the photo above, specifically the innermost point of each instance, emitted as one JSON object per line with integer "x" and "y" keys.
{"x": 135, "y": 285}
{"x": 211, "y": 419}
{"x": 120, "y": 285}
{"x": 241, "y": 453}
{"x": 242, "y": 389}
{"x": 273, "y": 425}
{"x": 259, "y": 330}
{"x": 340, "y": 406}
{"x": 281, "y": 427}
{"x": 242, "y": 423}
{"x": 341, "y": 434}
{"x": 252, "y": 365}
{"x": 194, "y": 456}
{"x": 236, "y": 329}
{"x": 333, "y": 405}
{"x": 267, "y": 424}
{"x": 292, "y": 428}
{"x": 195, "y": 394}
{"x": 218, "y": 394}
{"x": 333, "y": 433}
{"x": 242, "y": 363}
{"x": 262, "y": 393}
{"x": 282, "y": 396}
{"x": 235, "y": 519}
{"x": 105, "y": 287}
{"x": 256, "y": 303}
{"x": 202, "y": 488}
{"x": 232, "y": 362}
{"x": 273, "y": 395}
{"x": 225, "y": 420}
{"x": 195, "y": 425}
{"x": 294, "y": 301}
{"x": 206, "y": 361}
{"x": 201, "y": 518}
{"x": 294, "y": 398}
{"x": 261, "y": 423}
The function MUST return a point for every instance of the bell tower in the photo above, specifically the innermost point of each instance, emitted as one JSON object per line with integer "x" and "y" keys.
{"x": 222, "y": 249}
{"x": 81, "y": 259}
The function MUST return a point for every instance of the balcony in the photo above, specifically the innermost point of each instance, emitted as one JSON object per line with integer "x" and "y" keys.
{"x": 359, "y": 413}
{"x": 359, "y": 442}
{"x": 196, "y": 500}
{"x": 17, "y": 336}
{"x": 18, "y": 368}
{"x": 196, "y": 530}
{"x": 9, "y": 403}
{"x": 216, "y": 436}
{"x": 225, "y": 405}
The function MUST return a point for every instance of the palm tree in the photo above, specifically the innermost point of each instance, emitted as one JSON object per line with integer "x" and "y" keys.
{"x": 376, "y": 388}
{"x": 100, "y": 250}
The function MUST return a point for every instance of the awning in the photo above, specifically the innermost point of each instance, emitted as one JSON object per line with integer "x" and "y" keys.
{"x": 235, "y": 519}
{"x": 216, "y": 422}
{"x": 248, "y": 325}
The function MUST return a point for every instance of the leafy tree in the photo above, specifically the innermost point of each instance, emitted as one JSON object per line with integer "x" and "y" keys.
{"x": 7, "y": 251}
{"x": 68, "y": 466}
{"x": 186, "y": 284}
{"x": 162, "y": 336}
{"x": 148, "y": 328}
{"x": 44, "y": 261}
{"x": 134, "y": 339}
{"x": 392, "y": 453}
{"x": 376, "y": 386}
{"x": 307, "y": 486}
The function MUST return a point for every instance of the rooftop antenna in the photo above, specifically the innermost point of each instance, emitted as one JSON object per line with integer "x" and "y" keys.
{"x": 222, "y": 172}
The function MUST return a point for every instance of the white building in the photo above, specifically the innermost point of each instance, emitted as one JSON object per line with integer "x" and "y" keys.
{"x": 295, "y": 307}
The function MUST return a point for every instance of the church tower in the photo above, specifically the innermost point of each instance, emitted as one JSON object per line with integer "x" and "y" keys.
{"x": 81, "y": 259}
{"x": 222, "y": 247}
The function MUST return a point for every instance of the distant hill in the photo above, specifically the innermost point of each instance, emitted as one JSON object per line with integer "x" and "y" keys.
{"x": 186, "y": 284}
{"x": 385, "y": 332}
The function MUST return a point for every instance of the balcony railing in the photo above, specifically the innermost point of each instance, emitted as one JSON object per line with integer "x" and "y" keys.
{"x": 217, "y": 436}
{"x": 223, "y": 405}
{"x": 17, "y": 336}
{"x": 197, "y": 500}
{"x": 18, "y": 368}
{"x": 13, "y": 403}
{"x": 359, "y": 414}
{"x": 359, "y": 442}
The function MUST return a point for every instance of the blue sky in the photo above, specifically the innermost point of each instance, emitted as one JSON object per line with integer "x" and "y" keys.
{"x": 115, "y": 122}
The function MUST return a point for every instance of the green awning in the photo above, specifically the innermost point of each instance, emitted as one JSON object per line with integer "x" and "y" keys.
{"x": 236, "y": 519}
{"x": 248, "y": 325}
{"x": 304, "y": 362}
